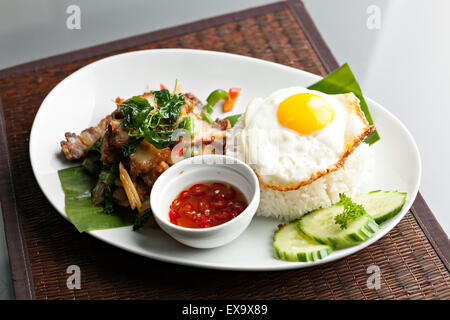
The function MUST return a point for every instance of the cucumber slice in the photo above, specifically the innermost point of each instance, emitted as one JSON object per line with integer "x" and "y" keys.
{"x": 320, "y": 226}
{"x": 291, "y": 245}
{"x": 381, "y": 205}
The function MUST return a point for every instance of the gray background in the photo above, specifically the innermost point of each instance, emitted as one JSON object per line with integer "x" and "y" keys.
{"x": 404, "y": 65}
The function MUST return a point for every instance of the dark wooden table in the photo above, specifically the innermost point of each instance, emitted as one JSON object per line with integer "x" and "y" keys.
{"x": 413, "y": 257}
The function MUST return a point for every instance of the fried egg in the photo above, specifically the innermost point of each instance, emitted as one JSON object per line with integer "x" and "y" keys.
{"x": 296, "y": 135}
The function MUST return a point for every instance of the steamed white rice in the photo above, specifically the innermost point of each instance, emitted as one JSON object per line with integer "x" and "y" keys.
{"x": 290, "y": 205}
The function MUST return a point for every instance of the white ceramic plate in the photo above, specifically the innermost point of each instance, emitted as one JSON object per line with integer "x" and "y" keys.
{"x": 87, "y": 95}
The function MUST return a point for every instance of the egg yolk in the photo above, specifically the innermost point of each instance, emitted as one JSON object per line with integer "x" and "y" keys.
{"x": 305, "y": 113}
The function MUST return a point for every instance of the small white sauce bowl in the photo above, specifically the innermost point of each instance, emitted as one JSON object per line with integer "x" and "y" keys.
{"x": 200, "y": 169}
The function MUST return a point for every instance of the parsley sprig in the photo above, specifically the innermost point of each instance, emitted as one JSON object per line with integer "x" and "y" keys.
{"x": 351, "y": 212}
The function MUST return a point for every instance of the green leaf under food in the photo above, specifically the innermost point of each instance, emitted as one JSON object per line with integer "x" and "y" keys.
{"x": 340, "y": 81}
{"x": 77, "y": 186}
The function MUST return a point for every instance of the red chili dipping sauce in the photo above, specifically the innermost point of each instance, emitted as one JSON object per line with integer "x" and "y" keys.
{"x": 207, "y": 204}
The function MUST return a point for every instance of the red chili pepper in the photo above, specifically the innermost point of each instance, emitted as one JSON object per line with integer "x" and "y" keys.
{"x": 229, "y": 103}
{"x": 162, "y": 87}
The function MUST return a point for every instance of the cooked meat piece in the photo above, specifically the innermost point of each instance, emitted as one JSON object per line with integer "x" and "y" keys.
{"x": 110, "y": 153}
{"x": 206, "y": 133}
{"x": 222, "y": 124}
{"x": 193, "y": 104}
{"x": 98, "y": 193}
{"x": 212, "y": 148}
{"x": 120, "y": 197}
{"x": 74, "y": 146}
{"x": 150, "y": 177}
{"x": 142, "y": 189}
{"x": 147, "y": 158}
{"x": 119, "y": 135}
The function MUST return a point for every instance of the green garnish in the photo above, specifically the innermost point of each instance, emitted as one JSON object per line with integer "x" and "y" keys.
{"x": 208, "y": 108}
{"x": 156, "y": 126}
{"x": 108, "y": 174}
{"x": 207, "y": 118}
{"x": 109, "y": 201}
{"x": 351, "y": 212}
{"x": 216, "y": 96}
{"x": 233, "y": 119}
{"x": 142, "y": 219}
{"x": 188, "y": 124}
{"x": 130, "y": 147}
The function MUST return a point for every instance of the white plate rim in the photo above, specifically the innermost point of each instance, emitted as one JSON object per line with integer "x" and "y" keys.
{"x": 289, "y": 265}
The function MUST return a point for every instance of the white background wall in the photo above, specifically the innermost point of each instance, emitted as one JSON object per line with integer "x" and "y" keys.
{"x": 404, "y": 65}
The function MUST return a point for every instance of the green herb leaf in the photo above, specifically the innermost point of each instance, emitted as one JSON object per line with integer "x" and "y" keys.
{"x": 142, "y": 219}
{"x": 130, "y": 147}
{"x": 340, "y": 81}
{"x": 351, "y": 212}
{"x": 109, "y": 201}
{"x": 156, "y": 126}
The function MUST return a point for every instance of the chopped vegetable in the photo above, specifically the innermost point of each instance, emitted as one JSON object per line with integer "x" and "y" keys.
{"x": 233, "y": 119}
{"x": 188, "y": 124}
{"x": 130, "y": 147}
{"x": 142, "y": 219}
{"x": 320, "y": 226}
{"x": 162, "y": 87}
{"x": 130, "y": 189}
{"x": 207, "y": 118}
{"x": 91, "y": 167}
{"x": 208, "y": 108}
{"x": 216, "y": 96}
{"x": 109, "y": 202}
{"x": 291, "y": 245}
{"x": 351, "y": 212}
{"x": 107, "y": 175}
{"x": 229, "y": 103}
{"x": 382, "y": 205}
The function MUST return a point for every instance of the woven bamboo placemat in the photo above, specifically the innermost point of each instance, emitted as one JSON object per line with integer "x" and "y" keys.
{"x": 413, "y": 258}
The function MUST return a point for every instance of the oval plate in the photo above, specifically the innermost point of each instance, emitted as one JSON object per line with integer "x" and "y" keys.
{"x": 86, "y": 96}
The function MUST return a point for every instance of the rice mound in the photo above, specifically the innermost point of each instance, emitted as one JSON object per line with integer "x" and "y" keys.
{"x": 290, "y": 205}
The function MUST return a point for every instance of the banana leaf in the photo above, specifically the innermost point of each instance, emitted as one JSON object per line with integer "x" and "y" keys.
{"x": 342, "y": 80}
{"x": 77, "y": 185}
